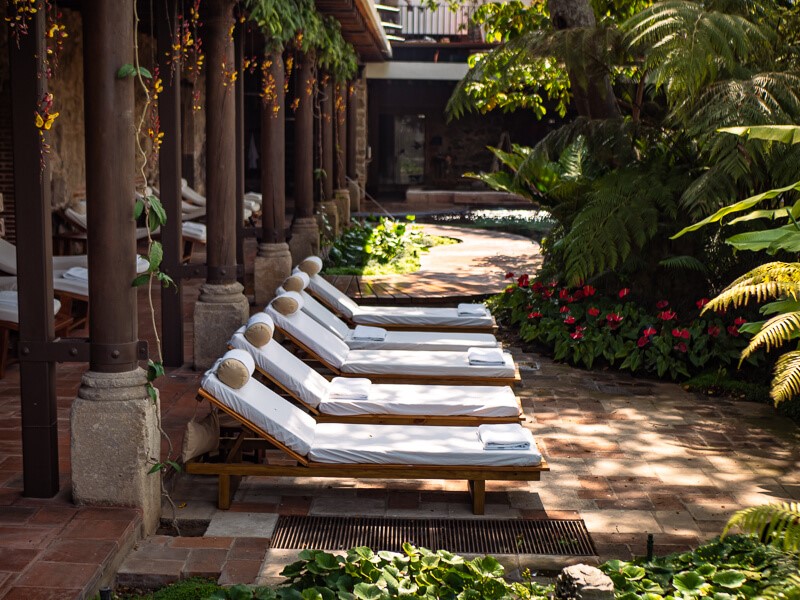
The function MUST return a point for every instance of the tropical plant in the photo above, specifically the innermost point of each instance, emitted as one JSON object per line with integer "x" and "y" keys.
{"x": 776, "y": 281}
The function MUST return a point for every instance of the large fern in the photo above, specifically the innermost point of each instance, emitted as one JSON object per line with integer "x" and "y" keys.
{"x": 776, "y": 524}
{"x": 769, "y": 281}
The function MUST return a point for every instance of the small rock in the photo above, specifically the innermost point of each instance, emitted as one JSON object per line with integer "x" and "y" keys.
{"x": 583, "y": 582}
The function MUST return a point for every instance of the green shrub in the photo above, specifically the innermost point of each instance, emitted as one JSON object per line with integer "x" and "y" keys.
{"x": 738, "y": 567}
{"x": 584, "y": 328}
{"x": 376, "y": 249}
{"x": 188, "y": 589}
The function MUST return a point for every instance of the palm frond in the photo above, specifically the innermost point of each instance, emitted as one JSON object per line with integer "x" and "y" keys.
{"x": 773, "y": 333}
{"x": 771, "y": 280}
{"x": 786, "y": 381}
{"x": 776, "y": 524}
{"x": 683, "y": 263}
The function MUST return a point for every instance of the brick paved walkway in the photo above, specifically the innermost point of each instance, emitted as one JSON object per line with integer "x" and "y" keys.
{"x": 630, "y": 457}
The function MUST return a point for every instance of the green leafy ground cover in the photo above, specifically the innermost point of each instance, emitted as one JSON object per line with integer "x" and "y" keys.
{"x": 738, "y": 567}
{"x": 533, "y": 224}
{"x": 386, "y": 247}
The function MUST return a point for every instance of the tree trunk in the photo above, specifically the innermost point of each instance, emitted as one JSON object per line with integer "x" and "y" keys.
{"x": 592, "y": 93}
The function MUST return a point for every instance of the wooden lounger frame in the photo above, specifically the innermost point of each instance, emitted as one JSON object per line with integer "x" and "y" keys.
{"x": 389, "y": 419}
{"x": 399, "y": 327}
{"x": 399, "y": 378}
{"x": 231, "y": 471}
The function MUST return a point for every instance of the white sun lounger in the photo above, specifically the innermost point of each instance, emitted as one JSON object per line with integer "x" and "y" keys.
{"x": 391, "y": 317}
{"x": 396, "y": 366}
{"x": 358, "y": 450}
{"x": 382, "y": 403}
{"x": 194, "y": 198}
{"x": 378, "y": 338}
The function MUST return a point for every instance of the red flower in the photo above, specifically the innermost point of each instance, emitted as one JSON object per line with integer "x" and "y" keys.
{"x": 739, "y": 321}
{"x": 563, "y": 293}
{"x": 578, "y": 295}
{"x": 523, "y": 280}
{"x": 588, "y": 291}
{"x": 593, "y": 311}
{"x": 713, "y": 330}
{"x": 613, "y": 320}
{"x": 553, "y": 284}
{"x": 624, "y": 292}
{"x": 537, "y": 286}
{"x": 510, "y": 275}
{"x": 509, "y": 290}
{"x": 702, "y": 302}
{"x": 649, "y": 331}
{"x": 563, "y": 309}
{"x": 569, "y": 320}
{"x": 577, "y": 334}
{"x": 667, "y": 315}
{"x": 662, "y": 304}
{"x": 547, "y": 293}
{"x": 680, "y": 347}
{"x": 535, "y": 315}
{"x": 642, "y": 342}
{"x": 681, "y": 333}
{"x": 733, "y": 330}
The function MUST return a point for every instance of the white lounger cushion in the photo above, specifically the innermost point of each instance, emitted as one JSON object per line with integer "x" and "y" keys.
{"x": 8, "y": 259}
{"x": 265, "y": 409}
{"x": 384, "y": 399}
{"x": 411, "y": 445}
{"x": 340, "y": 443}
{"x": 9, "y": 306}
{"x": 415, "y": 362}
{"x": 383, "y": 362}
{"x": 394, "y": 315}
{"x": 395, "y": 340}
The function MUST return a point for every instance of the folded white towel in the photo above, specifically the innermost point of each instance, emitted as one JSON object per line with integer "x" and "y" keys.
{"x": 350, "y": 388}
{"x": 9, "y": 297}
{"x": 77, "y": 274}
{"x": 252, "y": 205}
{"x": 485, "y": 356}
{"x": 505, "y": 436}
{"x": 142, "y": 264}
{"x": 373, "y": 334}
{"x": 472, "y": 310}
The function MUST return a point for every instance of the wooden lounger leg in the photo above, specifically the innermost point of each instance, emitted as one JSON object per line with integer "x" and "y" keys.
{"x": 224, "y": 493}
{"x": 228, "y": 483}
{"x": 477, "y": 489}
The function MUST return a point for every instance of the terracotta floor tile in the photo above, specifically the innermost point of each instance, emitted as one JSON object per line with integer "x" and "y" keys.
{"x": 57, "y": 575}
{"x": 79, "y": 551}
{"x": 99, "y": 530}
{"x": 205, "y": 562}
{"x": 240, "y": 571}
{"x": 16, "y": 559}
{"x": 43, "y": 593}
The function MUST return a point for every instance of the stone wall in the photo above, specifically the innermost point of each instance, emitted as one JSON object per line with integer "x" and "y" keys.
{"x": 361, "y": 132}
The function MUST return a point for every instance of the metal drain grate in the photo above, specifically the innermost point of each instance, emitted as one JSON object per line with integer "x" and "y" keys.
{"x": 479, "y": 536}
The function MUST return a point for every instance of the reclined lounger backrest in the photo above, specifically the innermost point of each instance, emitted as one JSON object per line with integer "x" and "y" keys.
{"x": 265, "y": 409}
{"x": 286, "y": 369}
{"x": 305, "y": 329}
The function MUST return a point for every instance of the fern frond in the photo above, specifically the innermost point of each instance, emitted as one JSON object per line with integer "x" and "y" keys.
{"x": 776, "y": 331}
{"x": 776, "y": 524}
{"x": 771, "y": 280}
{"x": 686, "y": 263}
{"x": 786, "y": 382}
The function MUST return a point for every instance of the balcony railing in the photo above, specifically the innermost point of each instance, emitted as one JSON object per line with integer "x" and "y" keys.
{"x": 419, "y": 22}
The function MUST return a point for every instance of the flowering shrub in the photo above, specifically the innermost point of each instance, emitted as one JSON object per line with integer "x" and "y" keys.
{"x": 583, "y": 328}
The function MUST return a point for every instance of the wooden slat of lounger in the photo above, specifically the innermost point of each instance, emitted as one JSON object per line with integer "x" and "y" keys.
{"x": 400, "y": 378}
{"x": 389, "y": 419}
{"x": 475, "y": 476}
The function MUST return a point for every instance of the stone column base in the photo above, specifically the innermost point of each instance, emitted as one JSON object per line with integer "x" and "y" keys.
{"x": 219, "y": 311}
{"x": 355, "y": 196}
{"x": 328, "y": 208}
{"x": 273, "y": 265}
{"x": 114, "y": 442}
{"x": 305, "y": 239}
{"x": 342, "y": 199}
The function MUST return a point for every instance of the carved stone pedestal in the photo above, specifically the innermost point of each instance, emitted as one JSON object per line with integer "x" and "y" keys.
{"x": 342, "y": 199}
{"x": 114, "y": 442}
{"x": 273, "y": 265}
{"x": 305, "y": 239}
{"x": 219, "y": 311}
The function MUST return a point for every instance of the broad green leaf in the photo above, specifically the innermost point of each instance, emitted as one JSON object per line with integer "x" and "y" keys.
{"x": 633, "y": 572}
{"x": 751, "y": 327}
{"x": 145, "y": 73}
{"x": 407, "y": 587}
{"x": 363, "y": 552}
{"x": 785, "y": 238}
{"x": 158, "y": 209}
{"x": 126, "y": 70}
{"x": 729, "y": 578}
{"x": 138, "y": 208}
{"x": 779, "y": 306}
{"x": 240, "y": 592}
{"x": 155, "y": 468}
{"x": 175, "y": 466}
{"x": 155, "y": 256}
{"x": 327, "y": 561}
{"x": 368, "y": 591}
{"x": 745, "y": 204}
{"x": 786, "y": 134}
{"x": 311, "y": 594}
{"x": 152, "y": 392}
{"x": 488, "y": 566}
{"x": 141, "y": 280}
{"x": 688, "y": 581}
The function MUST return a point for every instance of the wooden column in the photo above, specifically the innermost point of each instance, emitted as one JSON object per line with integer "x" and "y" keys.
{"x": 169, "y": 166}
{"x": 34, "y": 262}
{"x": 238, "y": 36}
{"x": 304, "y": 137}
{"x": 273, "y": 151}
{"x": 110, "y": 160}
{"x": 340, "y": 116}
{"x": 220, "y": 142}
{"x": 326, "y": 123}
